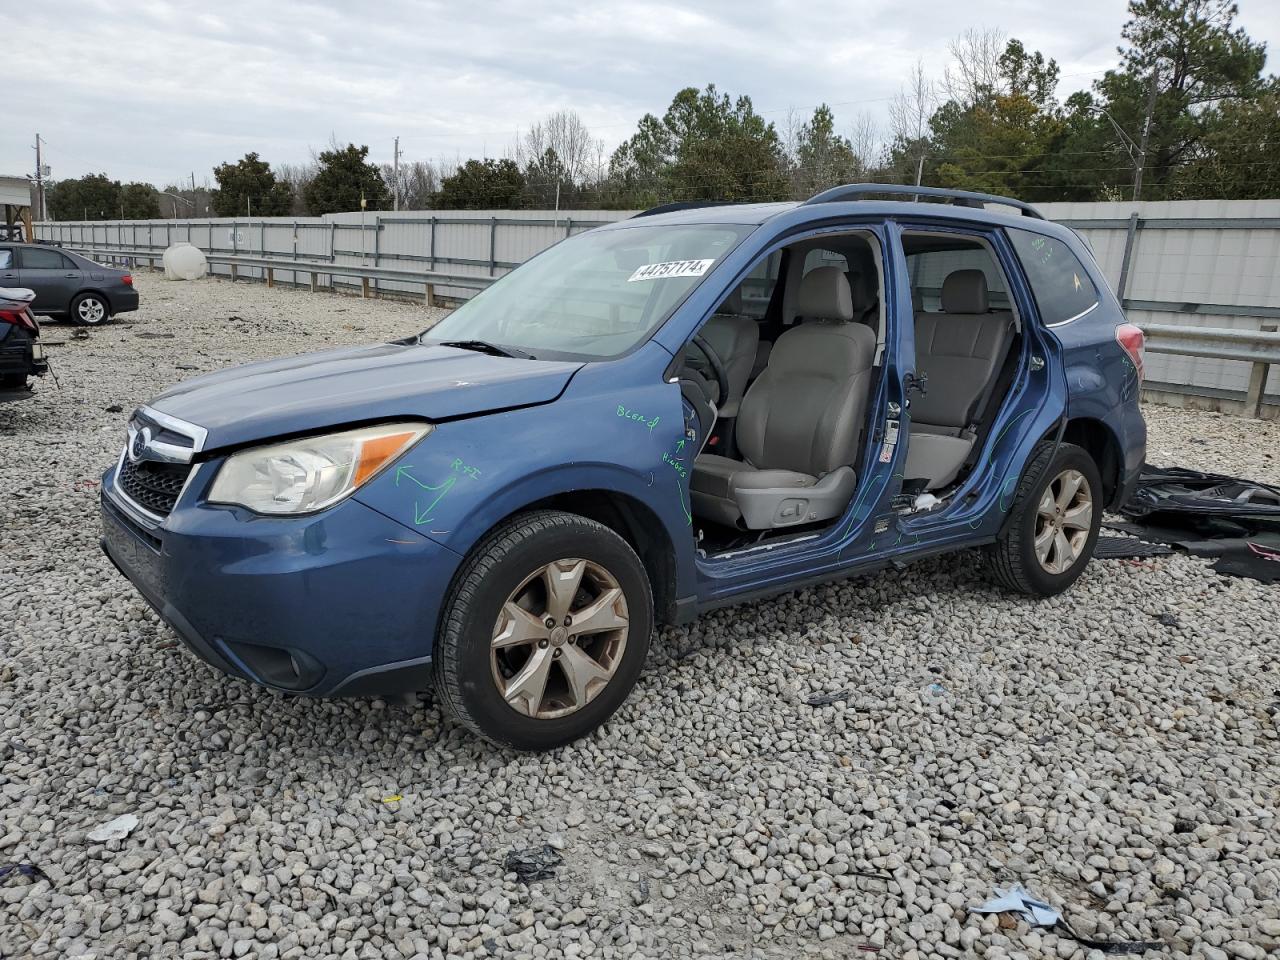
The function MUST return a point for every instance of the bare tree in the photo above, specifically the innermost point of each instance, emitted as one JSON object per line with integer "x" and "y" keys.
{"x": 864, "y": 138}
{"x": 909, "y": 115}
{"x": 565, "y": 133}
{"x": 974, "y": 74}
{"x": 416, "y": 183}
{"x": 297, "y": 175}
{"x": 910, "y": 110}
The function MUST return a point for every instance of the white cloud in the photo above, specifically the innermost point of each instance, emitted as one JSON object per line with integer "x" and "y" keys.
{"x": 154, "y": 91}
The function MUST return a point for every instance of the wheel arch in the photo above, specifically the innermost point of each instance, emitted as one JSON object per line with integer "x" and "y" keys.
{"x": 1101, "y": 443}
{"x": 631, "y": 519}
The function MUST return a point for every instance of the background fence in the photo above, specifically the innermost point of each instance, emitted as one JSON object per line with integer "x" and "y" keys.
{"x": 1201, "y": 263}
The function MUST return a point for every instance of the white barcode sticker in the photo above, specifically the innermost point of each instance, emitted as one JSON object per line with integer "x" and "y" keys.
{"x": 672, "y": 268}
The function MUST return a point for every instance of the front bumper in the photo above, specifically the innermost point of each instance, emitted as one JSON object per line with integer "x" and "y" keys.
{"x": 342, "y": 603}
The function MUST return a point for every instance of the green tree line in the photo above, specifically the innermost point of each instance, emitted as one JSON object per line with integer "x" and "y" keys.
{"x": 1186, "y": 113}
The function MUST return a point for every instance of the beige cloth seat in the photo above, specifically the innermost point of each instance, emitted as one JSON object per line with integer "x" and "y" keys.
{"x": 961, "y": 350}
{"x": 800, "y": 424}
{"x": 735, "y": 338}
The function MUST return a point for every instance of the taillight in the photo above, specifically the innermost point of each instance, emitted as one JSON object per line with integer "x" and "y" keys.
{"x": 127, "y": 280}
{"x": 1133, "y": 340}
{"x": 19, "y": 317}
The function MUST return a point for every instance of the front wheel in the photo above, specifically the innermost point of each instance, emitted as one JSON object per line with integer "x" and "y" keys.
{"x": 545, "y": 632}
{"x": 90, "y": 310}
{"x": 1053, "y": 523}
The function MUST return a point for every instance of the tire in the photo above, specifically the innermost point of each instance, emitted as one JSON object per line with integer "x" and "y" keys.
{"x": 90, "y": 310}
{"x": 482, "y": 682}
{"x": 1019, "y": 561}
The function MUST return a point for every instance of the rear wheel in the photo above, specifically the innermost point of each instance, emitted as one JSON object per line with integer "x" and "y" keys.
{"x": 545, "y": 633}
{"x": 1053, "y": 524}
{"x": 90, "y": 309}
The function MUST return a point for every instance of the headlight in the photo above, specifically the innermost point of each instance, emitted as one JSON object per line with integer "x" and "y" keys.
{"x": 302, "y": 476}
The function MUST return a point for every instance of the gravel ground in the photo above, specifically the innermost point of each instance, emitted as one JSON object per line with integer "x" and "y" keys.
{"x": 1123, "y": 769}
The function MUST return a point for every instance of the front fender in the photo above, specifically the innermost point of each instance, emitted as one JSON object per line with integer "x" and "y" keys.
{"x": 468, "y": 475}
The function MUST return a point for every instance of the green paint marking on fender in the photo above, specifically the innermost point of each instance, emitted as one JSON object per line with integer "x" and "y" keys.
{"x": 421, "y": 515}
{"x": 688, "y": 517}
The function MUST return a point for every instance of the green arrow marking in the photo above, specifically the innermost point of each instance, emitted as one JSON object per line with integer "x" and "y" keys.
{"x": 679, "y": 444}
{"x": 420, "y": 515}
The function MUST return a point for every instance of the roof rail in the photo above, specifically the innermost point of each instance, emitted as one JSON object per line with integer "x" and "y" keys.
{"x": 681, "y": 205}
{"x": 855, "y": 191}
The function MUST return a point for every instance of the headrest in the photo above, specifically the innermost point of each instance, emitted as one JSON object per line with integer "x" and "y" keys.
{"x": 732, "y": 304}
{"x": 965, "y": 291}
{"x": 825, "y": 295}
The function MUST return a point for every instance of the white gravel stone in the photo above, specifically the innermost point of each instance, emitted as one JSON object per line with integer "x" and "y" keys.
{"x": 1122, "y": 769}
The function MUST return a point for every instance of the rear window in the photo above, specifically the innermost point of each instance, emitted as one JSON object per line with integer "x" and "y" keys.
{"x": 1059, "y": 282}
{"x": 36, "y": 259}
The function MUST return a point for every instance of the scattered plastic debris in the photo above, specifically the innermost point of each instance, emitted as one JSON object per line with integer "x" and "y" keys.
{"x": 924, "y": 502}
{"x": 935, "y": 691}
{"x": 1128, "y": 548}
{"x": 536, "y": 863}
{"x": 1017, "y": 900}
{"x": 24, "y": 869}
{"x": 117, "y": 829}
{"x": 826, "y": 699}
{"x": 392, "y": 798}
{"x": 1167, "y": 619}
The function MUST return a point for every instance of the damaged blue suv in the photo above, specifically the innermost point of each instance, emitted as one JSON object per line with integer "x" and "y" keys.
{"x": 697, "y": 406}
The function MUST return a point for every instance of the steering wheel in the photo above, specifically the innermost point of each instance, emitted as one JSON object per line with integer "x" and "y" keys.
{"x": 716, "y": 365}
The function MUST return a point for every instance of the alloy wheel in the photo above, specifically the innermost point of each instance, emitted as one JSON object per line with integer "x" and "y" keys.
{"x": 559, "y": 638}
{"x": 91, "y": 310}
{"x": 1064, "y": 518}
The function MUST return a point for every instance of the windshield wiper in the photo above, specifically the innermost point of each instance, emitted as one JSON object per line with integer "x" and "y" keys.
{"x": 484, "y": 346}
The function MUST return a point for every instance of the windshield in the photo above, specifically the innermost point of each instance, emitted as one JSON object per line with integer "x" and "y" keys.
{"x": 594, "y": 295}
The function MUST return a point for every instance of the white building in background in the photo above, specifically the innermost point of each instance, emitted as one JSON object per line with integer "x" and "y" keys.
{"x": 15, "y": 202}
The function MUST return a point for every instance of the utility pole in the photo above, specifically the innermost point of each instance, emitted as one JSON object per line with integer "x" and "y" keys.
{"x": 40, "y": 215}
{"x": 193, "y": 195}
{"x": 1141, "y": 162}
{"x": 395, "y": 176}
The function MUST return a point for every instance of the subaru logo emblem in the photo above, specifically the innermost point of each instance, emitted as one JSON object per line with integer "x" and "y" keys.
{"x": 141, "y": 441}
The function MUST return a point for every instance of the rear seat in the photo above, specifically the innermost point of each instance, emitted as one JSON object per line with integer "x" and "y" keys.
{"x": 961, "y": 351}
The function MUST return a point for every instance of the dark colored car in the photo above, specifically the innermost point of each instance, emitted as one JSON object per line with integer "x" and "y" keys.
{"x": 67, "y": 285}
{"x": 21, "y": 354}
{"x": 662, "y": 416}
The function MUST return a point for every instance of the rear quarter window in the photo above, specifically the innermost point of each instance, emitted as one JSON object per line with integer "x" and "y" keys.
{"x": 6, "y": 259}
{"x": 1058, "y": 279}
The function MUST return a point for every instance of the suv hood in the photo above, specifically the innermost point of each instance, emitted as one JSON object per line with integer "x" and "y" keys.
{"x": 317, "y": 391}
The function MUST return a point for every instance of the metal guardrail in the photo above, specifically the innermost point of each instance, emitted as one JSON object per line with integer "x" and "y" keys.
{"x": 430, "y": 279}
{"x": 1259, "y": 347}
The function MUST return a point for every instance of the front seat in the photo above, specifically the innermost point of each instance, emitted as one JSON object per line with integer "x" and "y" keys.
{"x": 735, "y": 338}
{"x": 961, "y": 350}
{"x": 800, "y": 424}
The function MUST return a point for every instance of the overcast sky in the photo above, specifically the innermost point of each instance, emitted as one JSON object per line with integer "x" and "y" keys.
{"x": 153, "y": 90}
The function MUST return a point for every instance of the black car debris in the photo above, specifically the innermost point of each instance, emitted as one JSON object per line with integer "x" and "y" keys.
{"x": 21, "y": 353}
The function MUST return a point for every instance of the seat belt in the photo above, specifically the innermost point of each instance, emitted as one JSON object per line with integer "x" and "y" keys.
{"x": 980, "y": 409}
{"x": 982, "y": 415}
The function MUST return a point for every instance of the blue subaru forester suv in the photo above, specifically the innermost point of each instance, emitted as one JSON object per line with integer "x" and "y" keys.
{"x": 700, "y": 405}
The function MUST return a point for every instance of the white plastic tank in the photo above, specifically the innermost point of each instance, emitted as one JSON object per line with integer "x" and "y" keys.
{"x": 185, "y": 261}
